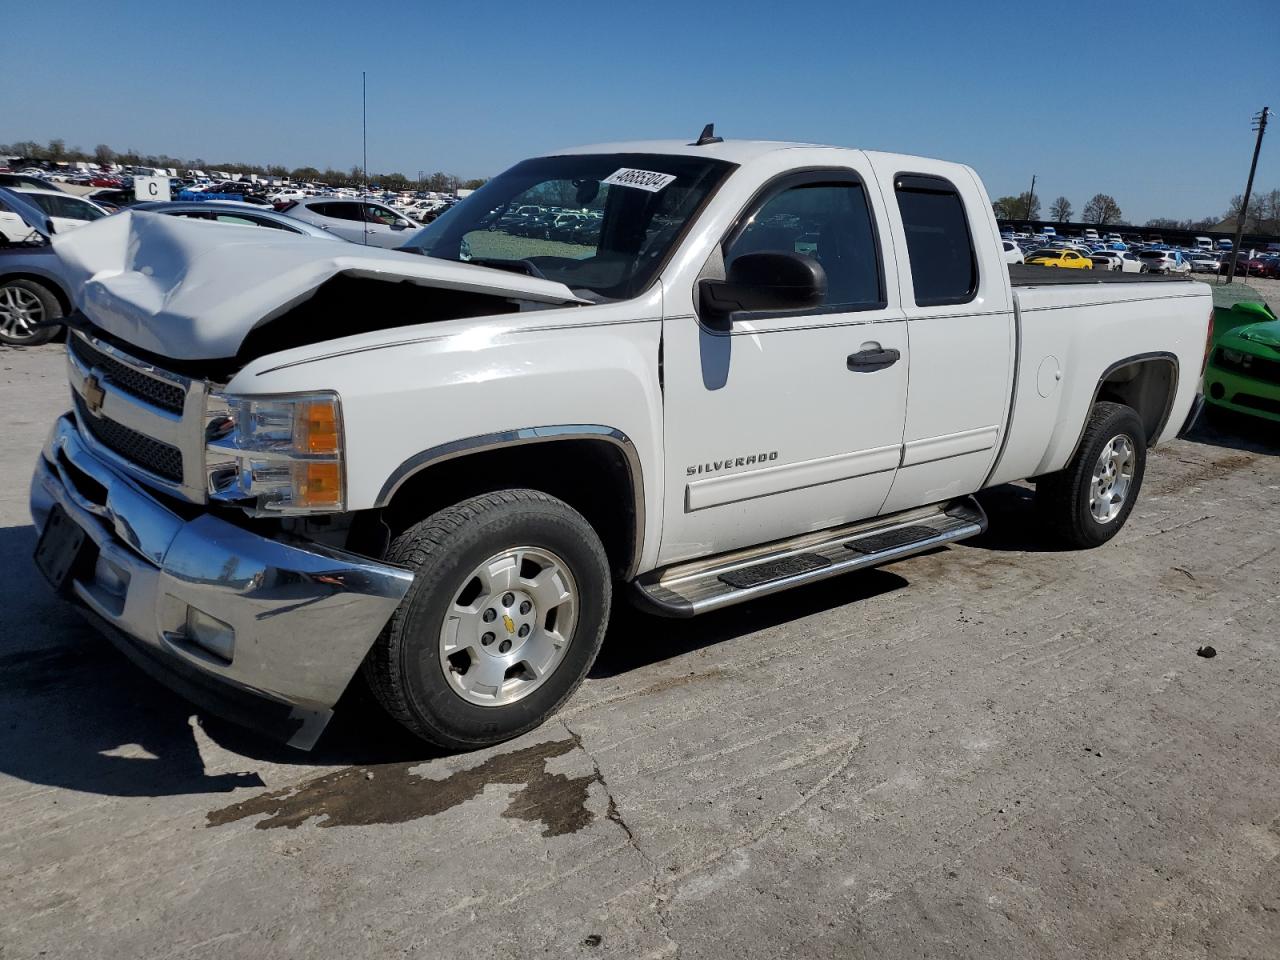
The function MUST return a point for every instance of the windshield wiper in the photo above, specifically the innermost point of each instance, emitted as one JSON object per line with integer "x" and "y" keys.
{"x": 512, "y": 266}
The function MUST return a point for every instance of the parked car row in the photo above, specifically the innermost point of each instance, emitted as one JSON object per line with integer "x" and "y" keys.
{"x": 1116, "y": 254}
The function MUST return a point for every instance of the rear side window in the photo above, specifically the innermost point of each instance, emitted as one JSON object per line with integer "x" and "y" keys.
{"x": 339, "y": 211}
{"x": 944, "y": 267}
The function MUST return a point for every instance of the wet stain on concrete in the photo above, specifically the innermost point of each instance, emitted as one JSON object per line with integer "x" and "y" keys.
{"x": 390, "y": 793}
{"x": 1168, "y": 482}
{"x": 671, "y": 683}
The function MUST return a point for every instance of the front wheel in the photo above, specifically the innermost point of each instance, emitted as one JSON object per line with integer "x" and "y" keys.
{"x": 505, "y": 617}
{"x": 1086, "y": 503}
{"x": 27, "y": 310}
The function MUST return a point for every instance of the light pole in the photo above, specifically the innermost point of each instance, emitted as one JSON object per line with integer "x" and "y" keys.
{"x": 1259, "y": 124}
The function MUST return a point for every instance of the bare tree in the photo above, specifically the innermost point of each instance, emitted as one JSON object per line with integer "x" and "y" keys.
{"x": 1263, "y": 215}
{"x": 1102, "y": 209}
{"x": 103, "y": 155}
{"x": 1060, "y": 210}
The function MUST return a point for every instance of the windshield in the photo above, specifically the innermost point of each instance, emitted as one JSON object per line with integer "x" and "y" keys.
{"x": 602, "y": 223}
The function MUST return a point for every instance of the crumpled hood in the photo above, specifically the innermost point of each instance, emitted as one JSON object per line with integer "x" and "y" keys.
{"x": 192, "y": 291}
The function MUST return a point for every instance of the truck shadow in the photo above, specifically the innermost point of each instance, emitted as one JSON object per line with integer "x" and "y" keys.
{"x": 1013, "y": 526}
{"x": 637, "y": 639}
{"x": 76, "y": 714}
{"x": 1235, "y": 431}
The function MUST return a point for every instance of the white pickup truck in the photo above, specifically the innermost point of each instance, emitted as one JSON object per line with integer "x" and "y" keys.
{"x": 758, "y": 365}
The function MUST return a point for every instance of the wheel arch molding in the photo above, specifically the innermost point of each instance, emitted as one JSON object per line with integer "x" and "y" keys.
{"x": 1147, "y": 382}
{"x": 597, "y": 471}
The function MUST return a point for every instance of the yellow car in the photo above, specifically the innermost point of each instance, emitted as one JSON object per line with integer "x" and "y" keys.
{"x": 1060, "y": 258}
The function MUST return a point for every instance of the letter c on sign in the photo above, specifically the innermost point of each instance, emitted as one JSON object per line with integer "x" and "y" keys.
{"x": 153, "y": 189}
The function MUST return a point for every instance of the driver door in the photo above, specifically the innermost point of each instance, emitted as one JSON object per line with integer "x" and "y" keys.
{"x": 781, "y": 423}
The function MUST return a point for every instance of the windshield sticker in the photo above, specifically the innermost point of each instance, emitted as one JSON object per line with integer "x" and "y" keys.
{"x": 640, "y": 179}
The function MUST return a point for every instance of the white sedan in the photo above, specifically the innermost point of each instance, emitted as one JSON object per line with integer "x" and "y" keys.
{"x": 64, "y": 211}
{"x": 1012, "y": 252}
{"x": 360, "y": 221}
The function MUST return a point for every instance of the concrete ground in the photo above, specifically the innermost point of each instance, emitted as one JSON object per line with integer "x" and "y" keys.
{"x": 993, "y": 751}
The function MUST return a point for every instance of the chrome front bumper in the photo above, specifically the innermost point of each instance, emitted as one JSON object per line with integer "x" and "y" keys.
{"x": 304, "y": 615}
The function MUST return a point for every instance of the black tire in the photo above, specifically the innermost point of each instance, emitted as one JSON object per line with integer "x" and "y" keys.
{"x": 404, "y": 668}
{"x": 1063, "y": 498}
{"x": 49, "y": 304}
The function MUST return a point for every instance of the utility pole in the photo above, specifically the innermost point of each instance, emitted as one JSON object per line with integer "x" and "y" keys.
{"x": 1259, "y": 124}
{"x": 1031, "y": 197}
{"x": 364, "y": 139}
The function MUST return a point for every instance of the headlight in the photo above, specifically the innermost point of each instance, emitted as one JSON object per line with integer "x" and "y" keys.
{"x": 1232, "y": 356}
{"x": 285, "y": 453}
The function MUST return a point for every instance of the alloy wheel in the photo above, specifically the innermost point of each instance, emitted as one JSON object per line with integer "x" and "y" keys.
{"x": 508, "y": 626}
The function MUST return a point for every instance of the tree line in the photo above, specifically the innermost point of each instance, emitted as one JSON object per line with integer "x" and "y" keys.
{"x": 1102, "y": 209}
{"x": 57, "y": 151}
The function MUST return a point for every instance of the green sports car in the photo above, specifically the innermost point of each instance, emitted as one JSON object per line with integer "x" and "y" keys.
{"x": 1244, "y": 369}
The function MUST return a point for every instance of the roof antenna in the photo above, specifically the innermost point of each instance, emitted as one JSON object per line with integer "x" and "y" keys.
{"x": 708, "y": 135}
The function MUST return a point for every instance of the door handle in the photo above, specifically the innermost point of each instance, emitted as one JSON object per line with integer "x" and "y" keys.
{"x": 868, "y": 361}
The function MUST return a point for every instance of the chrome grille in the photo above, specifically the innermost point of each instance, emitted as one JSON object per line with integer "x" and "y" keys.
{"x": 145, "y": 421}
{"x": 155, "y": 457}
{"x": 161, "y": 393}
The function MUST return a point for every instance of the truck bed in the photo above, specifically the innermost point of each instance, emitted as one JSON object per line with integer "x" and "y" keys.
{"x": 1032, "y": 275}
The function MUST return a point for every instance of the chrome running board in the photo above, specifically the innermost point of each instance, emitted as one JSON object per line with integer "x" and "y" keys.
{"x": 708, "y": 584}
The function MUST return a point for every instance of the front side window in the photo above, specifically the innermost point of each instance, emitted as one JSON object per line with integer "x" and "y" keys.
{"x": 944, "y": 266}
{"x": 602, "y": 224}
{"x": 340, "y": 211}
{"x": 381, "y": 215}
{"x": 830, "y": 222}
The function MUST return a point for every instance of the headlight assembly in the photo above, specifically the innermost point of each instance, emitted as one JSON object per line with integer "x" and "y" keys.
{"x": 285, "y": 453}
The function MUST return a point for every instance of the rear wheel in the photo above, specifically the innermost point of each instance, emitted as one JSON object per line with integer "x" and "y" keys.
{"x": 27, "y": 312}
{"x": 505, "y": 617}
{"x": 1086, "y": 503}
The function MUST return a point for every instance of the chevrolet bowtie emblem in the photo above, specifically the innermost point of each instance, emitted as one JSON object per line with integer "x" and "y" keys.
{"x": 93, "y": 394}
{"x": 508, "y": 623}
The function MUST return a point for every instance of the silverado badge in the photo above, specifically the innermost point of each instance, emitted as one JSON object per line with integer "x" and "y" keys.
{"x": 728, "y": 463}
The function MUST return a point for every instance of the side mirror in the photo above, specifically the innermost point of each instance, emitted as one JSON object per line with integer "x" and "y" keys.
{"x": 399, "y": 225}
{"x": 769, "y": 280}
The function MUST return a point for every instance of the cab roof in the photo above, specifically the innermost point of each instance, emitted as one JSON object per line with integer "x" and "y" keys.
{"x": 740, "y": 152}
{"x": 733, "y": 151}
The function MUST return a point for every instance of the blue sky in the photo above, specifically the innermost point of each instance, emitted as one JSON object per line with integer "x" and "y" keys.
{"x": 1092, "y": 97}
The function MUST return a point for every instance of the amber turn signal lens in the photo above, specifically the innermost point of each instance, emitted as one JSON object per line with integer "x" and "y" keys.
{"x": 317, "y": 426}
{"x": 319, "y": 484}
